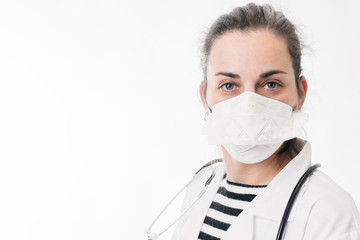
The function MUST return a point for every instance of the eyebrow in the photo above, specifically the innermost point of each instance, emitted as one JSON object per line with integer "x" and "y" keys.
{"x": 272, "y": 72}
{"x": 263, "y": 75}
{"x": 228, "y": 74}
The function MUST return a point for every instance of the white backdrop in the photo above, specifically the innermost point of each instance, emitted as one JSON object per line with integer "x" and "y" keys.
{"x": 100, "y": 121}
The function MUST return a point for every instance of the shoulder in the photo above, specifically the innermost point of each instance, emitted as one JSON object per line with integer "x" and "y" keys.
{"x": 326, "y": 193}
{"x": 332, "y": 209}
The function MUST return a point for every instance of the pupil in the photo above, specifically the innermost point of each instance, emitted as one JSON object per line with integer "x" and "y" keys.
{"x": 228, "y": 86}
{"x": 271, "y": 85}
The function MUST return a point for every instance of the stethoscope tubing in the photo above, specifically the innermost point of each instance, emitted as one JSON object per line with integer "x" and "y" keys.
{"x": 292, "y": 198}
{"x": 156, "y": 235}
{"x": 153, "y": 236}
{"x": 281, "y": 230}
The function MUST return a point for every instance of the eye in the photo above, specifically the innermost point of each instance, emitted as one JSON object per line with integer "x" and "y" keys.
{"x": 227, "y": 87}
{"x": 272, "y": 85}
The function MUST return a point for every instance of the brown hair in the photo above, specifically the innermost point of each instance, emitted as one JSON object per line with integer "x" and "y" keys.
{"x": 253, "y": 17}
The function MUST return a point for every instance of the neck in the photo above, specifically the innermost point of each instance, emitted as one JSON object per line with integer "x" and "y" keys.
{"x": 253, "y": 174}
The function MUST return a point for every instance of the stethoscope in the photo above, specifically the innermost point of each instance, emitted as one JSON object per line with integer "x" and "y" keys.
{"x": 296, "y": 190}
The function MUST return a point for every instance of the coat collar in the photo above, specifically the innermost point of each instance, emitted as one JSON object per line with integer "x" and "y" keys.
{"x": 268, "y": 204}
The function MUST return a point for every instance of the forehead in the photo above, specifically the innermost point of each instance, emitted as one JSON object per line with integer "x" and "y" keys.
{"x": 258, "y": 50}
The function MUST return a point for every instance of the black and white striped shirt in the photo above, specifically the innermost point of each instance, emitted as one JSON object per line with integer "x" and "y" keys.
{"x": 229, "y": 201}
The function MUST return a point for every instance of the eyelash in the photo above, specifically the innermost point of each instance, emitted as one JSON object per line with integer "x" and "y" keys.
{"x": 234, "y": 86}
{"x": 277, "y": 85}
{"x": 224, "y": 84}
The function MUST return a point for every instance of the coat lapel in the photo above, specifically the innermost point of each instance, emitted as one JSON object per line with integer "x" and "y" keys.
{"x": 194, "y": 221}
{"x": 270, "y": 204}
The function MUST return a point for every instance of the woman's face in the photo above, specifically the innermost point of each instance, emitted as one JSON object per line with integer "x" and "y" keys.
{"x": 256, "y": 61}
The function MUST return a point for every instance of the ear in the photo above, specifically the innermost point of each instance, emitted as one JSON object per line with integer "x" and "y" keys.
{"x": 203, "y": 94}
{"x": 303, "y": 88}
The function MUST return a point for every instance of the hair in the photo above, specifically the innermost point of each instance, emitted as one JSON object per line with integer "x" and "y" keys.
{"x": 252, "y": 17}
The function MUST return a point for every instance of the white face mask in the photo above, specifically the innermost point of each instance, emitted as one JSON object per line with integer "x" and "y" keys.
{"x": 252, "y": 127}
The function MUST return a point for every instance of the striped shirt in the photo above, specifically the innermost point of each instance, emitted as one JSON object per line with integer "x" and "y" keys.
{"x": 229, "y": 201}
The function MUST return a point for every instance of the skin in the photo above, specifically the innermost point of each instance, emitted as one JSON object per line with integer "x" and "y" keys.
{"x": 256, "y": 61}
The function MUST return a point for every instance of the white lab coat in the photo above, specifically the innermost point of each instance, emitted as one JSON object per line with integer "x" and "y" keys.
{"x": 322, "y": 210}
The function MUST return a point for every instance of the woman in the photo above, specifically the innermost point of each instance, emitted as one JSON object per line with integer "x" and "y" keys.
{"x": 253, "y": 93}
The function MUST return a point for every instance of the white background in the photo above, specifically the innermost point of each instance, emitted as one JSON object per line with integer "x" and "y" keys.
{"x": 100, "y": 119}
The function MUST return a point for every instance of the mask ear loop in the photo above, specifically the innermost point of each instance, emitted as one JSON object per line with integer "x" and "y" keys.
{"x": 218, "y": 152}
{"x": 207, "y": 105}
{"x": 208, "y": 109}
{"x": 304, "y": 130}
{"x": 298, "y": 109}
{"x": 206, "y": 115}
